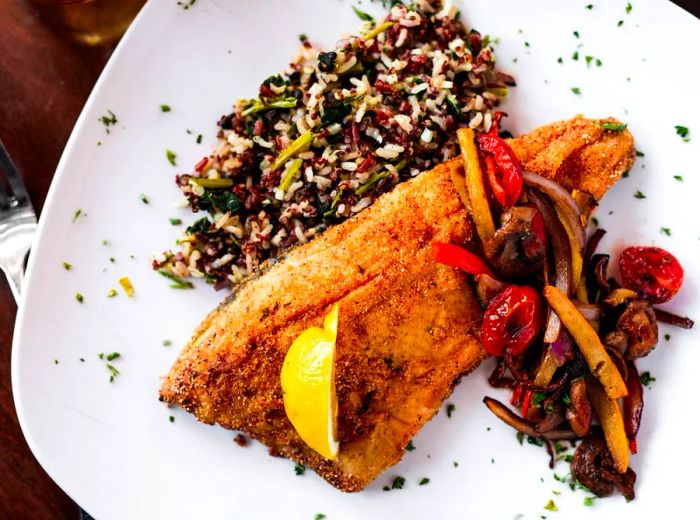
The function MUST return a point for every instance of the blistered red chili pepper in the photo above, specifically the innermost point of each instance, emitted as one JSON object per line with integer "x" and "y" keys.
{"x": 450, "y": 254}
{"x": 201, "y": 164}
{"x": 651, "y": 271}
{"x": 512, "y": 321}
{"x": 508, "y": 175}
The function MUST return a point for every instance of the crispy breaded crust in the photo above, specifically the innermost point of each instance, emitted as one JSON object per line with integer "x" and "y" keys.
{"x": 407, "y": 325}
{"x": 577, "y": 153}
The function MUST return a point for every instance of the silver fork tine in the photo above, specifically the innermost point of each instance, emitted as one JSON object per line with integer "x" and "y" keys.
{"x": 13, "y": 178}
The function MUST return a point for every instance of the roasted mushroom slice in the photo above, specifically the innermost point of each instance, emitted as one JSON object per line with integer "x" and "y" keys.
{"x": 636, "y": 332}
{"x": 516, "y": 250}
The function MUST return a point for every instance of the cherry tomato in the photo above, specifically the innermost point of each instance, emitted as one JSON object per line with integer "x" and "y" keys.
{"x": 651, "y": 271}
{"x": 512, "y": 321}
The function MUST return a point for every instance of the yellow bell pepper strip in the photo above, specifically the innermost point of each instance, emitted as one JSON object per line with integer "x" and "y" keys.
{"x": 597, "y": 358}
{"x": 546, "y": 370}
{"x": 479, "y": 204}
{"x": 610, "y": 418}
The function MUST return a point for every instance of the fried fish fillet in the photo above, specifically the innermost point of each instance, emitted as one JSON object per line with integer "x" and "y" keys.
{"x": 407, "y": 330}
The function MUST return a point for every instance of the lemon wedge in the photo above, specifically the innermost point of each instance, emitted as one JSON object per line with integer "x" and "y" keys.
{"x": 308, "y": 386}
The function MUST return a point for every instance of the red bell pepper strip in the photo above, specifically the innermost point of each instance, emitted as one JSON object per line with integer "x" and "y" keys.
{"x": 492, "y": 175}
{"x": 516, "y": 395}
{"x": 201, "y": 164}
{"x": 527, "y": 399}
{"x": 511, "y": 178}
{"x": 450, "y": 254}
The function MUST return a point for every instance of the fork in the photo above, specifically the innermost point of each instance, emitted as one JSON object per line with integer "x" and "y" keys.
{"x": 17, "y": 223}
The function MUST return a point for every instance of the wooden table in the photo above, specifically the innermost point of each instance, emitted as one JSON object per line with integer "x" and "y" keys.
{"x": 44, "y": 82}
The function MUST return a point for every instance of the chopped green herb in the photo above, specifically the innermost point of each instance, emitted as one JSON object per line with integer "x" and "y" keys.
{"x": 105, "y": 243}
{"x": 613, "y": 127}
{"x": 560, "y": 60}
{"x": 559, "y": 447}
{"x": 112, "y": 356}
{"x": 569, "y": 459}
{"x": 588, "y": 501}
{"x": 113, "y": 372}
{"x": 199, "y": 138}
{"x": 488, "y": 428}
{"x": 566, "y": 399}
{"x": 299, "y": 469}
{"x": 55, "y": 361}
{"x": 589, "y": 7}
{"x": 667, "y": 337}
{"x": 171, "y": 418}
{"x": 527, "y": 44}
{"x": 167, "y": 342}
{"x": 111, "y": 293}
{"x": 67, "y": 266}
{"x": 362, "y": 15}
{"x": 559, "y": 478}
{"x": 683, "y": 131}
{"x": 537, "y": 441}
{"x": 178, "y": 283}
{"x": 639, "y": 195}
{"x": 101, "y": 355}
{"x": 594, "y": 221}
{"x": 171, "y": 156}
{"x": 423, "y": 481}
{"x": 639, "y": 153}
{"x": 619, "y": 24}
{"x": 576, "y": 90}
{"x": 186, "y": 4}
{"x": 492, "y": 460}
{"x": 79, "y": 297}
{"x": 144, "y": 199}
{"x": 598, "y": 62}
{"x": 455, "y": 463}
{"x": 398, "y": 483}
{"x": 165, "y": 108}
{"x": 574, "y": 56}
{"x": 666, "y": 231}
{"x": 520, "y": 436}
{"x": 319, "y": 516}
{"x": 588, "y": 59}
{"x": 576, "y": 34}
{"x": 551, "y": 506}
{"x": 108, "y": 120}
{"x": 679, "y": 178}
{"x": 628, "y": 8}
{"x": 77, "y": 213}
{"x": 537, "y": 398}
{"x": 410, "y": 446}
{"x": 626, "y": 174}
{"x": 175, "y": 221}
{"x": 82, "y": 360}
{"x": 302, "y": 37}
{"x": 112, "y": 259}
{"x": 646, "y": 379}
{"x": 450, "y": 408}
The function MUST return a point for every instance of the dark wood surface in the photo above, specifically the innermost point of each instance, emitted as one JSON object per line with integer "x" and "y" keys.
{"x": 44, "y": 82}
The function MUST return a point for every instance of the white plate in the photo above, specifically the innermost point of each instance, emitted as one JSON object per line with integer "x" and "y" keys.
{"x": 112, "y": 446}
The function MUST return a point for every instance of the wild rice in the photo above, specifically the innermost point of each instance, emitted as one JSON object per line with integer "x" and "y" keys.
{"x": 349, "y": 124}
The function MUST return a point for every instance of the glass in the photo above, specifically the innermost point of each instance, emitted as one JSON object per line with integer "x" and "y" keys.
{"x": 92, "y": 22}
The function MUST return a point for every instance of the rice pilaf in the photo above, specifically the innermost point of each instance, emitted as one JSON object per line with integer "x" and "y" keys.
{"x": 333, "y": 132}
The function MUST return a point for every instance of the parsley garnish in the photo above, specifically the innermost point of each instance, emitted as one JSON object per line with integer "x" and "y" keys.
{"x": 626, "y": 174}
{"x": 619, "y": 24}
{"x": 67, "y": 266}
{"x": 574, "y": 56}
{"x": 77, "y": 213}
{"x": 566, "y": 399}
{"x": 199, "y": 138}
{"x": 175, "y": 221}
{"x": 319, "y": 516}
{"x": 143, "y": 198}
{"x": 178, "y": 283}
{"x": 185, "y": 4}
{"x": 111, "y": 293}
{"x": 520, "y": 436}
{"x": 165, "y": 108}
{"x": 646, "y": 379}
{"x": 589, "y": 7}
{"x": 455, "y": 463}
{"x": 638, "y": 153}
{"x": 537, "y": 441}
{"x": 551, "y": 506}
{"x": 171, "y": 156}
{"x": 113, "y": 372}
{"x": 560, "y": 60}
{"x": 588, "y": 501}
{"x": 628, "y": 8}
{"x": 299, "y": 469}
{"x": 108, "y": 120}
{"x": 666, "y": 231}
{"x": 679, "y": 178}
{"x": 667, "y": 337}
{"x": 362, "y": 15}
{"x": 576, "y": 90}
{"x": 171, "y": 418}
{"x": 398, "y": 483}
{"x": 588, "y": 59}
{"x": 594, "y": 221}
{"x": 423, "y": 481}
{"x": 559, "y": 478}
{"x": 112, "y": 356}
{"x": 302, "y": 37}
{"x": 683, "y": 131}
{"x": 79, "y": 297}
{"x": 613, "y": 127}
{"x": 569, "y": 458}
{"x": 450, "y": 408}
{"x": 576, "y": 34}
{"x": 410, "y": 446}
{"x": 639, "y": 195}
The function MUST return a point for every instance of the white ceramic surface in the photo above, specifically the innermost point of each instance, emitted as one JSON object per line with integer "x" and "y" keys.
{"x": 112, "y": 447}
